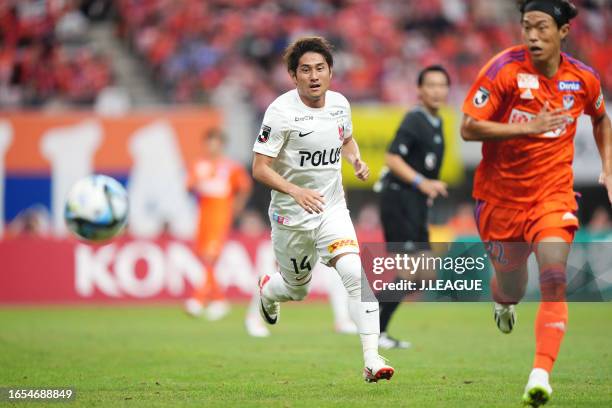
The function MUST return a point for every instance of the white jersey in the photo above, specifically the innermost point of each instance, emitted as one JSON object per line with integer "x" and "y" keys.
{"x": 307, "y": 144}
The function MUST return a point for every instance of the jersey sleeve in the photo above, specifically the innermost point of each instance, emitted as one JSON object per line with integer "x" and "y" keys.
{"x": 594, "y": 104}
{"x": 486, "y": 95}
{"x": 272, "y": 134}
{"x": 348, "y": 125}
{"x": 404, "y": 137}
{"x": 345, "y": 125}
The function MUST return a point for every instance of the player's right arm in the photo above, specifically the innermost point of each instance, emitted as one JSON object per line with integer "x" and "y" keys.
{"x": 310, "y": 200}
{"x": 473, "y": 129}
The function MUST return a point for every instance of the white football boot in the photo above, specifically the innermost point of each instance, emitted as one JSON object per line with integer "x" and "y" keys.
{"x": 377, "y": 369}
{"x": 505, "y": 317}
{"x": 387, "y": 342}
{"x": 255, "y": 327}
{"x": 193, "y": 307}
{"x": 217, "y": 310}
{"x": 270, "y": 310}
{"x": 537, "y": 390}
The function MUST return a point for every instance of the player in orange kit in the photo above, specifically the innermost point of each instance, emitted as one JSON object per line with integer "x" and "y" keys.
{"x": 523, "y": 107}
{"x": 223, "y": 188}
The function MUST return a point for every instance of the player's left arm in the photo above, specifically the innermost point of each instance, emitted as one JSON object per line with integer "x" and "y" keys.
{"x": 595, "y": 107}
{"x": 242, "y": 190}
{"x": 350, "y": 152}
{"x": 602, "y": 130}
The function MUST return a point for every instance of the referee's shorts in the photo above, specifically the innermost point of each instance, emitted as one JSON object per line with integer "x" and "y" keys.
{"x": 403, "y": 214}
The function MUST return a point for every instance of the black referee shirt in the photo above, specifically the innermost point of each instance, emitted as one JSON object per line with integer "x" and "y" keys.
{"x": 420, "y": 142}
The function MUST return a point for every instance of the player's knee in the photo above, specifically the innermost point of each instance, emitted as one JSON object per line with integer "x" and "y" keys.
{"x": 512, "y": 283}
{"x": 553, "y": 283}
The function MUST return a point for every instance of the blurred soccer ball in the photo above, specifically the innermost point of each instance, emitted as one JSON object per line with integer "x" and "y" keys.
{"x": 96, "y": 208}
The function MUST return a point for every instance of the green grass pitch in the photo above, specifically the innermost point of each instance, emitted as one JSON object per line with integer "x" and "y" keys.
{"x": 156, "y": 356}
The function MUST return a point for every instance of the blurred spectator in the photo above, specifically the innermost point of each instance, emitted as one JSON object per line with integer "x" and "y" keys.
{"x": 367, "y": 225}
{"x": 71, "y": 26}
{"x": 112, "y": 101}
{"x": 252, "y": 225}
{"x": 463, "y": 223}
{"x": 33, "y": 221}
{"x": 600, "y": 221}
{"x": 44, "y": 54}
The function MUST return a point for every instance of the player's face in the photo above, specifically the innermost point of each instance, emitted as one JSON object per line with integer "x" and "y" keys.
{"x": 434, "y": 90}
{"x": 542, "y": 36}
{"x": 214, "y": 146}
{"x": 312, "y": 79}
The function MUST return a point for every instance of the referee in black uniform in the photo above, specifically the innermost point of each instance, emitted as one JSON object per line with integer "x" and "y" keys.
{"x": 411, "y": 184}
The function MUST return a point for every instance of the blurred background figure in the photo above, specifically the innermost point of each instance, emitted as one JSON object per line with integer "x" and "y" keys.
{"x": 222, "y": 187}
{"x": 253, "y": 227}
{"x": 462, "y": 222}
{"x": 34, "y": 221}
{"x": 411, "y": 185}
{"x": 600, "y": 221}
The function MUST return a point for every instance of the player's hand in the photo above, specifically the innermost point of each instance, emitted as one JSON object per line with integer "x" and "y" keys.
{"x": 362, "y": 171}
{"x": 310, "y": 200}
{"x": 433, "y": 189}
{"x": 606, "y": 180}
{"x": 548, "y": 120}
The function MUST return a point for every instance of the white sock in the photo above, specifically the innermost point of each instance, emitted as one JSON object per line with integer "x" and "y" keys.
{"x": 338, "y": 298}
{"x": 369, "y": 342}
{"x": 276, "y": 289}
{"x": 364, "y": 314}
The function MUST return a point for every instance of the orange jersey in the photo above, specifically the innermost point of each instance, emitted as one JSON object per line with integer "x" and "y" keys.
{"x": 519, "y": 172}
{"x": 216, "y": 184}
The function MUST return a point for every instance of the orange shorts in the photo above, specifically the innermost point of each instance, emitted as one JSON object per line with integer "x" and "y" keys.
{"x": 209, "y": 244}
{"x": 509, "y": 233}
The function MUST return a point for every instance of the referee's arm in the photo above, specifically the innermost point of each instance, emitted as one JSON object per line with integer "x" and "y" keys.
{"x": 403, "y": 171}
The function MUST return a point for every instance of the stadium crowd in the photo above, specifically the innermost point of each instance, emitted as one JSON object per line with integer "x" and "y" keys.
{"x": 45, "y": 55}
{"x": 193, "y": 46}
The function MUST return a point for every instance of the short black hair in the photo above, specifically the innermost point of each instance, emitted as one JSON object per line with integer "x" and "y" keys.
{"x": 301, "y": 46}
{"x": 432, "y": 68}
{"x": 568, "y": 9}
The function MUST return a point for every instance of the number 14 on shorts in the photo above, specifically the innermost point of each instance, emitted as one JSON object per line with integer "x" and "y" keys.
{"x": 303, "y": 267}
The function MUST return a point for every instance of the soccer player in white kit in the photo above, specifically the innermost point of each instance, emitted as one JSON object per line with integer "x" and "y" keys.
{"x": 297, "y": 154}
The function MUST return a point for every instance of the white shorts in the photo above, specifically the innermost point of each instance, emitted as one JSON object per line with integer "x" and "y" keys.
{"x": 298, "y": 251}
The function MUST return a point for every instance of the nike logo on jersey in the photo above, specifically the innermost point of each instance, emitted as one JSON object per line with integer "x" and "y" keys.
{"x": 306, "y": 134}
{"x": 371, "y": 311}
